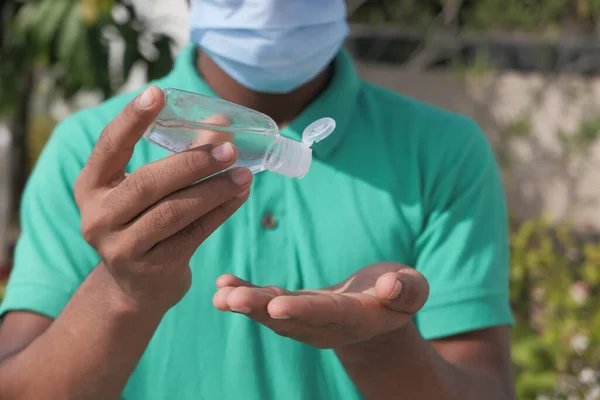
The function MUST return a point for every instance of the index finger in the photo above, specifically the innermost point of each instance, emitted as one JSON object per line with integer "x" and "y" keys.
{"x": 114, "y": 148}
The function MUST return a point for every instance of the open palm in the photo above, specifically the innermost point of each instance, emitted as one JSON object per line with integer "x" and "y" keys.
{"x": 375, "y": 300}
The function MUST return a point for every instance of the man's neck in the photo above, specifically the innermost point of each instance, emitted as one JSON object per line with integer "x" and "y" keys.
{"x": 283, "y": 108}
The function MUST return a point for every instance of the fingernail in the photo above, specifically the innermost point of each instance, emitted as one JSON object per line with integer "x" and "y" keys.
{"x": 241, "y": 176}
{"x": 146, "y": 98}
{"x": 243, "y": 310}
{"x": 223, "y": 152}
{"x": 397, "y": 291}
{"x": 281, "y": 317}
{"x": 245, "y": 193}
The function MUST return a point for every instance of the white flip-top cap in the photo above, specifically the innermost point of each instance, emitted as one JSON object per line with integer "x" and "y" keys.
{"x": 318, "y": 131}
{"x": 293, "y": 159}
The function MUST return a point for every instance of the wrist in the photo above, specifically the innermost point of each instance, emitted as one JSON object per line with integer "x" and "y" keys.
{"x": 118, "y": 301}
{"x": 407, "y": 335}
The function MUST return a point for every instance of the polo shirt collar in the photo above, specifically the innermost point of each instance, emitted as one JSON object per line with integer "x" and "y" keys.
{"x": 337, "y": 101}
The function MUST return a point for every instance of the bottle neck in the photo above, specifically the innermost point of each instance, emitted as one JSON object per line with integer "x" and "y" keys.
{"x": 288, "y": 157}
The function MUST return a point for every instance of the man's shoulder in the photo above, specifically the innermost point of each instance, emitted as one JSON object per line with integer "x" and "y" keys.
{"x": 415, "y": 117}
{"x": 438, "y": 138}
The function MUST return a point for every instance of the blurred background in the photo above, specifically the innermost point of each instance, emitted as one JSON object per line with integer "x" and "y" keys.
{"x": 527, "y": 70}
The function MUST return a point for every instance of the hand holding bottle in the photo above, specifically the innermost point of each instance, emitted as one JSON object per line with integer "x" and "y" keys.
{"x": 146, "y": 226}
{"x": 191, "y": 119}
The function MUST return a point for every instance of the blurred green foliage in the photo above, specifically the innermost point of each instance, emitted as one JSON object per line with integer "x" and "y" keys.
{"x": 69, "y": 40}
{"x": 555, "y": 295}
{"x": 488, "y": 16}
{"x": 70, "y": 46}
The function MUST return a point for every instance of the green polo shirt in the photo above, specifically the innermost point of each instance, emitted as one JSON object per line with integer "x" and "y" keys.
{"x": 398, "y": 180}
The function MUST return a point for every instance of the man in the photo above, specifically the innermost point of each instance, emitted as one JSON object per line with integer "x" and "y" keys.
{"x": 102, "y": 304}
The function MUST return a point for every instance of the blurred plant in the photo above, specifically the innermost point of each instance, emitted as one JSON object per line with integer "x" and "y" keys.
{"x": 414, "y": 13}
{"x": 545, "y": 17}
{"x": 426, "y": 34}
{"x": 71, "y": 42}
{"x": 555, "y": 295}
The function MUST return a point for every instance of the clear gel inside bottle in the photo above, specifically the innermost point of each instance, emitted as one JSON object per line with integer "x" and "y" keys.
{"x": 189, "y": 120}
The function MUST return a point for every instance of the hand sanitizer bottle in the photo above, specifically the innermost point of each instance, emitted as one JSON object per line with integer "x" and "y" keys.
{"x": 188, "y": 120}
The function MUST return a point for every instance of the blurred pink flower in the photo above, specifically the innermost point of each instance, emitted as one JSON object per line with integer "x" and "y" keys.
{"x": 579, "y": 292}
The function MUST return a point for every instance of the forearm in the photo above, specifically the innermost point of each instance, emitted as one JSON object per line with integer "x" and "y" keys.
{"x": 88, "y": 352}
{"x": 404, "y": 365}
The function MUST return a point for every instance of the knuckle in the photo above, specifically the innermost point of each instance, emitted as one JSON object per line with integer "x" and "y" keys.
{"x": 90, "y": 228}
{"x": 144, "y": 182}
{"x": 105, "y": 143}
{"x": 130, "y": 115}
{"x": 196, "y": 160}
{"x": 88, "y": 232}
{"x": 117, "y": 253}
{"x": 337, "y": 305}
{"x": 169, "y": 212}
{"x": 275, "y": 290}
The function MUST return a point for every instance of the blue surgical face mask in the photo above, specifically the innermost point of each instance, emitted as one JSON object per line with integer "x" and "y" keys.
{"x": 272, "y": 46}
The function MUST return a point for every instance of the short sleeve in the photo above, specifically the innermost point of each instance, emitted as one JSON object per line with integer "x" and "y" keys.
{"x": 463, "y": 247}
{"x": 51, "y": 256}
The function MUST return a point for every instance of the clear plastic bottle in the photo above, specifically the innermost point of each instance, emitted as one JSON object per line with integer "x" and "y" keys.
{"x": 189, "y": 120}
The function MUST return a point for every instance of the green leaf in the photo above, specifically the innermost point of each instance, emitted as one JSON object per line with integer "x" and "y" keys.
{"x": 532, "y": 384}
{"x": 27, "y": 18}
{"x": 77, "y": 71}
{"x": 71, "y": 30}
{"x": 51, "y": 18}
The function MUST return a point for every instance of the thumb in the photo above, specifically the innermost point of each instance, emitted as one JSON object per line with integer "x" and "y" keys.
{"x": 116, "y": 143}
{"x": 405, "y": 290}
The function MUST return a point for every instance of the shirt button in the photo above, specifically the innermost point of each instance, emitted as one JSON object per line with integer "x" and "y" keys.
{"x": 268, "y": 221}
